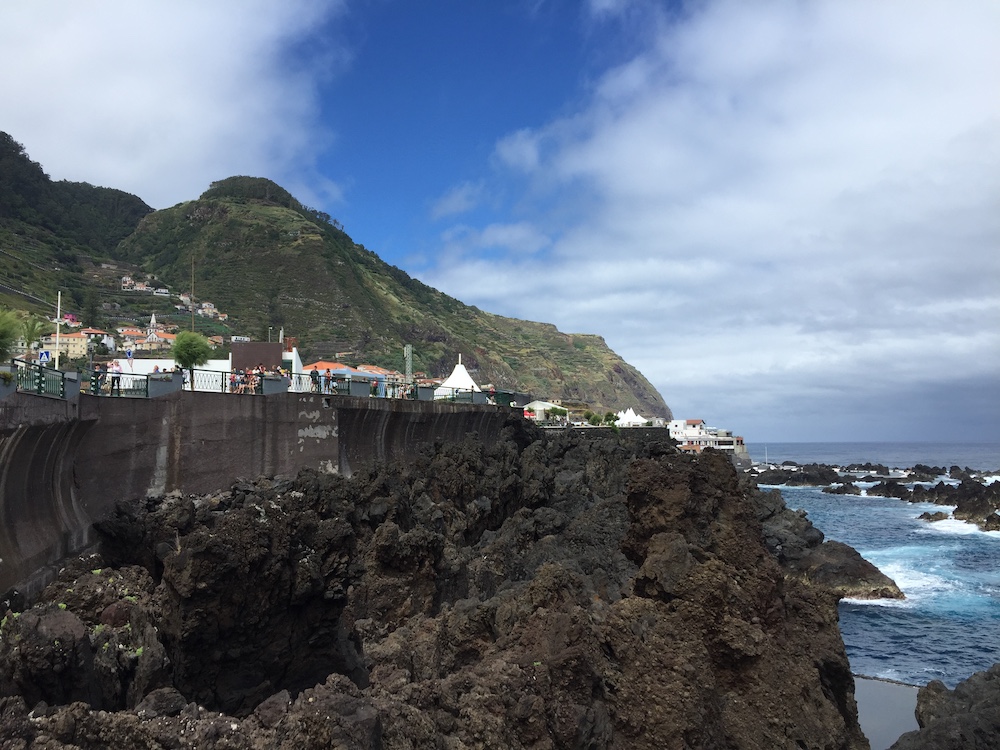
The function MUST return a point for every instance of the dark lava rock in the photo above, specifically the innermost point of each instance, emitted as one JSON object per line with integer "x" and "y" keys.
{"x": 890, "y": 488}
{"x": 812, "y": 475}
{"x": 842, "y": 569}
{"x": 548, "y": 591}
{"x": 975, "y": 502}
{"x": 966, "y": 718}
{"x": 936, "y": 516}
{"x": 869, "y": 468}
{"x": 847, "y": 488}
{"x": 165, "y": 701}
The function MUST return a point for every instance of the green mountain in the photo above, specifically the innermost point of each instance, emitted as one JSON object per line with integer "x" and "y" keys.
{"x": 49, "y": 231}
{"x": 270, "y": 262}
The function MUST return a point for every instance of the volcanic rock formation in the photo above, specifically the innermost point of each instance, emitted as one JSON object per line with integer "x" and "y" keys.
{"x": 966, "y": 718}
{"x": 576, "y": 590}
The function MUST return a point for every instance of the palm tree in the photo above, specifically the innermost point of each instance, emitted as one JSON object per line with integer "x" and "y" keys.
{"x": 9, "y": 327}
{"x": 33, "y": 329}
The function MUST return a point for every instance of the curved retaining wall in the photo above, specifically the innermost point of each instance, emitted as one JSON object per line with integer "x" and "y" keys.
{"x": 64, "y": 465}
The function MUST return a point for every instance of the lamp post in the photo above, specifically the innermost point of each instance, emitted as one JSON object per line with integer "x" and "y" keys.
{"x": 269, "y": 329}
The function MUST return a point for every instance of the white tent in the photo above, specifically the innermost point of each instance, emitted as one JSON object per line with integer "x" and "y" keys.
{"x": 629, "y": 418}
{"x": 457, "y": 383}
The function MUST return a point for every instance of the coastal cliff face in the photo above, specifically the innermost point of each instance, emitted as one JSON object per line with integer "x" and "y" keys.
{"x": 966, "y": 718}
{"x": 563, "y": 591}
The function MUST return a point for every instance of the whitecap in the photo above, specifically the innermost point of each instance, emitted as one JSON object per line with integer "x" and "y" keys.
{"x": 957, "y": 527}
{"x": 895, "y": 603}
{"x": 918, "y": 585}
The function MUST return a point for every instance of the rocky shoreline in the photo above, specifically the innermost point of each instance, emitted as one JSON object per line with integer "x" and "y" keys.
{"x": 974, "y": 500}
{"x": 966, "y": 718}
{"x": 558, "y": 590}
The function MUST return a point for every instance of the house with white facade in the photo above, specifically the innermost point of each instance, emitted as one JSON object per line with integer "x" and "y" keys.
{"x": 693, "y": 436}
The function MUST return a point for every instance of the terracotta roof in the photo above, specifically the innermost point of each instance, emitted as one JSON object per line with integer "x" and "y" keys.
{"x": 325, "y": 365}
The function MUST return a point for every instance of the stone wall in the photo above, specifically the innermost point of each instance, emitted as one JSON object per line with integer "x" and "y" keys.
{"x": 64, "y": 464}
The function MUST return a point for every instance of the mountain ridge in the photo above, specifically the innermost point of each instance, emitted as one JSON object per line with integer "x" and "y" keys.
{"x": 271, "y": 262}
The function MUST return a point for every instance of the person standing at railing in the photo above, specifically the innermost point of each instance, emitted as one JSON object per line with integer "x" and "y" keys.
{"x": 97, "y": 380}
{"x": 116, "y": 378}
{"x": 314, "y": 379}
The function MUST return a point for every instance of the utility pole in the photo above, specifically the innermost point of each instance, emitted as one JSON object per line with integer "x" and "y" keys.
{"x": 58, "y": 324}
{"x": 408, "y": 359}
{"x": 192, "y": 291}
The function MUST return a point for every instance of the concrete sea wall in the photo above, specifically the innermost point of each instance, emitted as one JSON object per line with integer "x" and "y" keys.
{"x": 64, "y": 464}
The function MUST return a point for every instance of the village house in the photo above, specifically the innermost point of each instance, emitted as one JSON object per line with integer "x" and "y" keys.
{"x": 131, "y": 336}
{"x": 71, "y": 345}
{"x": 97, "y": 336}
{"x": 693, "y": 436}
{"x": 156, "y": 341}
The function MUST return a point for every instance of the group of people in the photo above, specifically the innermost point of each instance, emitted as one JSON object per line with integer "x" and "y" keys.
{"x": 322, "y": 382}
{"x": 112, "y": 379}
{"x": 249, "y": 381}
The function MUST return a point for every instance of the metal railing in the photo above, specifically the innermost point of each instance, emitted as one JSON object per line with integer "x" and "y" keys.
{"x": 125, "y": 384}
{"x": 225, "y": 381}
{"x": 458, "y": 395}
{"x": 302, "y": 382}
{"x": 211, "y": 381}
{"x": 36, "y": 378}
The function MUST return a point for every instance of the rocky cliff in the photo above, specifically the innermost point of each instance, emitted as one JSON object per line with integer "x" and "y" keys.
{"x": 966, "y": 718}
{"x": 575, "y": 590}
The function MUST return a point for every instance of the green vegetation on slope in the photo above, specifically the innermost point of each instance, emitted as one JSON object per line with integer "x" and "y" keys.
{"x": 268, "y": 261}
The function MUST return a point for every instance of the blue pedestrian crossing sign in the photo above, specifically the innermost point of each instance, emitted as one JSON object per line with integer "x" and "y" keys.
{"x": 44, "y": 356}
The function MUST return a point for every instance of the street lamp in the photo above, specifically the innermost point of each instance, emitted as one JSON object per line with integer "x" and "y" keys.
{"x": 269, "y": 329}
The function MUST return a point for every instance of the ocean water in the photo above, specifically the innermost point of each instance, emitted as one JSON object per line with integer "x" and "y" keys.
{"x": 949, "y": 624}
{"x": 983, "y": 456}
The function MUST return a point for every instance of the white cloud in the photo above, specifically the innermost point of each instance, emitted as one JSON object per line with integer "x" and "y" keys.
{"x": 782, "y": 204}
{"x": 520, "y": 238}
{"x": 459, "y": 200}
{"x": 161, "y": 99}
{"x": 519, "y": 150}
{"x": 778, "y": 211}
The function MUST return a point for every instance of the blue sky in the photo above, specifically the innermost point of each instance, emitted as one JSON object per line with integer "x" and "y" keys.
{"x": 785, "y": 214}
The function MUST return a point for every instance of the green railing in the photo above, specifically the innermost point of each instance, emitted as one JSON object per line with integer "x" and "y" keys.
{"x": 36, "y": 378}
{"x": 125, "y": 384}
